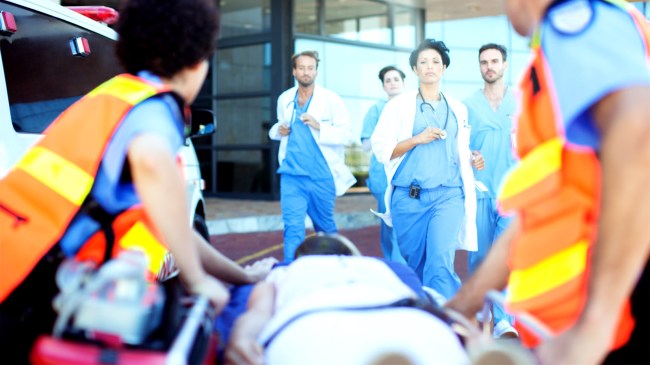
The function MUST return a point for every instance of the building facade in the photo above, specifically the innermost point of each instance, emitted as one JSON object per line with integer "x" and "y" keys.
{"x": 355, "y": 39}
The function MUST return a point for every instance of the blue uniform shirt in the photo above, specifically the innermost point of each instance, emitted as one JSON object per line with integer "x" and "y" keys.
{"x": 157, "y": 115}
{"x": 614, "y": 50}
{"x": 377, "y": 182}
{"x": 492, "y": 136}
{"x": 304, "y": 157}
{"x": 436, "y": 163}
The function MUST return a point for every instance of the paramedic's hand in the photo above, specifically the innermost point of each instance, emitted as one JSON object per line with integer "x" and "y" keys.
{"x": 575, "y": 346}
{"x": 429, "y": 134}
{"x": 477, "y": 160}
{"x": 309, "y": 120}
{"x": 213, "y": 289}
{"x": 243, "y": 350}
{"x": 284, "y": 130}
{"x": 259, "y": 269}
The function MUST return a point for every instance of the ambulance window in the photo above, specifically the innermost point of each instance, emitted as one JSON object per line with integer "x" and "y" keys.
{"x": 43, "y": 76}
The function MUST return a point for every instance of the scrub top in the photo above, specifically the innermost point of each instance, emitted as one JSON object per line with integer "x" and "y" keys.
{"x": 492, "y": 135}
{"x": 377, "y": 182}
{"x": 304, "y": 157}
{"x": 436, "y": 163}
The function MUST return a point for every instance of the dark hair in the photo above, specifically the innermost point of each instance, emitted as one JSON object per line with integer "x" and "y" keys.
{"x": 327, "y": 244}
{"x": 498, "y": 47}
{"x": 387, "y": 69}
{"x": 312, "y": 54}
{"x": 165, "y": 36}
{"x": 431, "y": 43}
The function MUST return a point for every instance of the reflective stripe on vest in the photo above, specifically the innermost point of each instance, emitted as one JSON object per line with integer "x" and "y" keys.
{"x": 133, "y": 231}
{"x": 555, "y": 190}
{"x": 42, "y": 193}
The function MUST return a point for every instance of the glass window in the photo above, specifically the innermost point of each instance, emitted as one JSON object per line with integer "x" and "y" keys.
{"x": 242, "y": 17}
{"x": 243, "y": 121}
{"x": 306, "y": 16}
{"x": 358, "y": 20}
{"x": 42, "y": 75}
{"x": 406, "y": 21}
{"x": 244, "y": 171}
{"x": 244, "y": 69}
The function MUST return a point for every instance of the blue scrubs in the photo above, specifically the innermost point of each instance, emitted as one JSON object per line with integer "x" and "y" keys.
{"x": 427, "y": 228}
{"x": 158, "y": 115}
{"x": 306, "y": 185}
{"x": 377, "y": 183}
{"x": 492, "y": 136}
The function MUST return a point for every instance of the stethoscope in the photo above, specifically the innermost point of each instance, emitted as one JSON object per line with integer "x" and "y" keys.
{"x": 443, "y": 134}
{"x": 294, "y": 104}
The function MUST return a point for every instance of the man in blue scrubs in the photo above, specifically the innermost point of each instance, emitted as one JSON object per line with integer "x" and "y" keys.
{"x": 313, "y": 129}
{"x": 490, "y": 112}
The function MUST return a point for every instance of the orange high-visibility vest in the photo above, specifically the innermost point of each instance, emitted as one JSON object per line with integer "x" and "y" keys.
{"x": 40, "y": 196}
{"x": 556, "y": 192}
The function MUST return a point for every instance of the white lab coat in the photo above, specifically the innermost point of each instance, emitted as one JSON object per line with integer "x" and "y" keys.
{"x": 395, "y": 125}
{"x": 334, "y": 134}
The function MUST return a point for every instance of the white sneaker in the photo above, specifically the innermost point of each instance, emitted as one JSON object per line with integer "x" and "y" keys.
{"x": 504, "y": 328}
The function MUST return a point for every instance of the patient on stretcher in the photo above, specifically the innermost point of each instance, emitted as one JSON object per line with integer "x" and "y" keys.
{"x": 336, "y": 309}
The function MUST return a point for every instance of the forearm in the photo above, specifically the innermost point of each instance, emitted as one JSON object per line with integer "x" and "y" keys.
{"x": 242, "y": 348}
{"x": 220, "y": 266}
{"x": 623, "y": 244}
{"x": 404, "y": 146}
{"x": 491, "y": 274}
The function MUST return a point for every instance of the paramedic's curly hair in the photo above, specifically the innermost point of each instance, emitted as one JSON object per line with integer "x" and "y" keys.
{"x": 165, "y": 36}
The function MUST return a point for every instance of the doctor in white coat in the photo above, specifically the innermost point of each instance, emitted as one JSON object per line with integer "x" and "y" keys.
{"x": 422, "y": 138}
{"x": 313, "y": 129}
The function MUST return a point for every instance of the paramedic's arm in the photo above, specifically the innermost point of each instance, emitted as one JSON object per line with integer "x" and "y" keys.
{"x": 223, "y": 268}
{"x": 623, "y": 244}
{"x": 160, "y": 187}
{"x": 242, "y": 348}
{"x": 491, "y": 274}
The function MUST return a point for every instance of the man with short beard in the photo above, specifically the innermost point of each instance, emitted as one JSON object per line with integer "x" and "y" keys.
{"x": 490, "y": 112}
{"x": 313, "y": 128}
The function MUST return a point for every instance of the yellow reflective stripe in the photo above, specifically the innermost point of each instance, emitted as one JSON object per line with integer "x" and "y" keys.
{"x": 128, "y": 90}
{"x": 549, "y": 273}
{"x": 140, "y": 238}
{"x": 57, "y": 173}
{"x": 534, "y": 167}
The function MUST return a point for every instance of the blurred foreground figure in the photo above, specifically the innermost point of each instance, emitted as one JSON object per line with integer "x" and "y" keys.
{"x": 578, "y": 250}
{"x": 105, "y": 177}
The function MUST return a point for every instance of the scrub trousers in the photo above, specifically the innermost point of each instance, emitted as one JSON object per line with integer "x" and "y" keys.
{"x": 301, "y": 196}
{"x": 427, "y": 230}
{"x": 387, "y": 235}
{"x": 489, "y": 226}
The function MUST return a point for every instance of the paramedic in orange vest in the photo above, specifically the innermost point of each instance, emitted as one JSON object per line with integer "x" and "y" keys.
{"x": 577, "y": 254}
{"x": 108, "y": 167}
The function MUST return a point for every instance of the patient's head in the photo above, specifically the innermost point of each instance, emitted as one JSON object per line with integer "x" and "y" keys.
{"x": 327, "y": 244}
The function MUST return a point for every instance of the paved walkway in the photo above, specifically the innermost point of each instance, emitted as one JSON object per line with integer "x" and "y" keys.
{"x": 226, "y": 216}
{"x": 247, "y": 230}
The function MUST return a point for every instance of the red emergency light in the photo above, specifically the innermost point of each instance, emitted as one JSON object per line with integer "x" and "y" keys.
{"x": 102, "y": 14}
{"x": 7, "y": 23}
